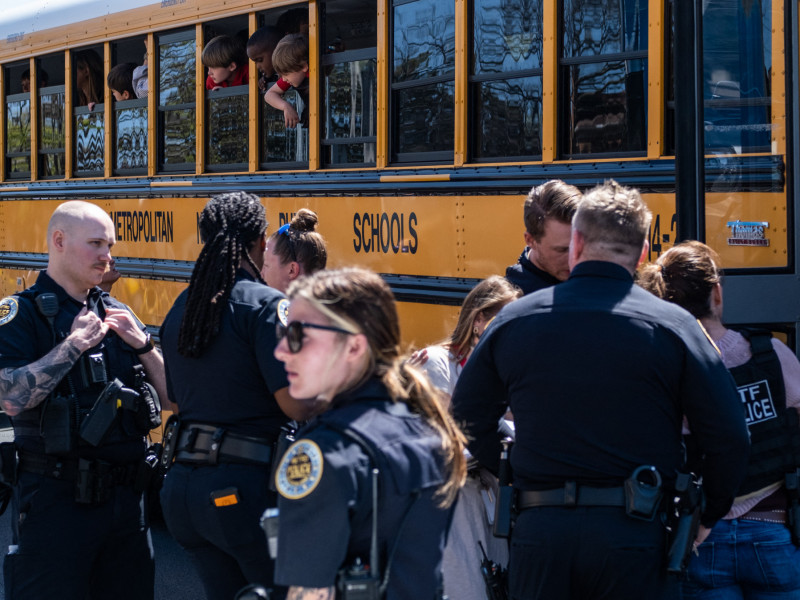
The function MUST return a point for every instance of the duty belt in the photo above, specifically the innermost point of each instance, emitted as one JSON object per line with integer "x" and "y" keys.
{"x": 67, "y": 469}
{"x": 571, "y": 495}
{"x": 208, "y": 445}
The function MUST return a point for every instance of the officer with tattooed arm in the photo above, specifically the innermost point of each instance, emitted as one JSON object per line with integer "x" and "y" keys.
{"x": 79, "y": 525}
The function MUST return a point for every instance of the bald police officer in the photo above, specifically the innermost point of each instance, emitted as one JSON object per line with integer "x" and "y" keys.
{"x": 79, "y": 527}
{"x": 615, "y": 371}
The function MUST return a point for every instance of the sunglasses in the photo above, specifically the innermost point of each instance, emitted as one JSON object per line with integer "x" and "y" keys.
{"x": 293, "y": 332}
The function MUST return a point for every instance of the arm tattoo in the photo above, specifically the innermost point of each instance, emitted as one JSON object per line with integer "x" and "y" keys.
{"x": 26, "y": 387}
{"x": 303, "y": 593}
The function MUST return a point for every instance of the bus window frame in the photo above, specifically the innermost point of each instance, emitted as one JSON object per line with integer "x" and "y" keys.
{"x": 118, "y": 106}
{"x": 40, "y": 153}
{"x": 414, "y": 158}
{"x": 228, "y": 92}
{"x": 163, "y": 38}
{"x": 17, "y": 175}
{"x": 338, "y": 58}
{"x": 473, "y": 86}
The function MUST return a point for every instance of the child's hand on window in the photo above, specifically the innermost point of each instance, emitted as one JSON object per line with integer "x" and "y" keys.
{"x": 290, "y": 117}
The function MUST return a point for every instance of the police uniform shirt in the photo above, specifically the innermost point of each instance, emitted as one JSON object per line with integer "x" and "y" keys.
{"x": 26, "y": 336}
{"x": 606, "y": 374}
{"x": 325, "y": 502}
{"x": 527, "y": 276}
{"x": 233, "y": 382}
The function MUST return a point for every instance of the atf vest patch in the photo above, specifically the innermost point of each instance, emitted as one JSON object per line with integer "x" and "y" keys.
{"x": 757, "y": 401}
{"x": 8, "y": 309}
{"x": 300, "y": 470}
{"x": 283, "y": 312}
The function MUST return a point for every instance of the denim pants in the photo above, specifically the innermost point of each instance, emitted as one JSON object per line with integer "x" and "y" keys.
{"x": 742, "y": 559}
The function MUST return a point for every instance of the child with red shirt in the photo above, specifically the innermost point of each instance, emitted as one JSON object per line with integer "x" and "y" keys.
{"x": 226, "y": 60}
{"x": 290, "y": 61}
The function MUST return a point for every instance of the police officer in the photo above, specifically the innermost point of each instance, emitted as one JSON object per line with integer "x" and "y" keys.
{"x": 232, "y": 398}
{"x": 548, "y": 211}
{"x": 341, "y": 346}
{"x": 751, "y": 551}
{"x": 79, "y": 526}
{"x": 615, "y": 370}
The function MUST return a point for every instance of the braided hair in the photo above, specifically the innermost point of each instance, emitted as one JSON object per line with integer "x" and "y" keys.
{"x": 229, "y": 225}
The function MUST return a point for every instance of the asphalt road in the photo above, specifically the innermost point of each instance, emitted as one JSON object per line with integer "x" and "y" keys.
{"x": 176, "y": 578}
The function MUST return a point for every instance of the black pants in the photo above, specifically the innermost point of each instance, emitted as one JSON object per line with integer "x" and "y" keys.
{"x": 226, "y": 543}
{"x": 588, "y": 553}
{"x": 76, "y": 551}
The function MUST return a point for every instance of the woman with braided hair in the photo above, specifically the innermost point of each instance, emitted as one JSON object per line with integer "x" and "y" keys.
{"x": 232, "y": 396}
{"x": 295, "y": 249}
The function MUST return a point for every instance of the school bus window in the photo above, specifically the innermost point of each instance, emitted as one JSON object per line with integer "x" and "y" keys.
{"x": 281, "y": 147}
{"x": 52, "y": 155}
{"x": 176, "y": 101}
{"x": 130, "y": 106}
{"x": 349, "y": 90}
{"x": 423, "y": 80}
{"x": 89, "y": 89}
{"x": 737, "y": 67}
{"x": 18, "y": 123}
{"x": 506, "y": 79}
{"x": 227, "y": 101}
{"x": 603, "y": 77}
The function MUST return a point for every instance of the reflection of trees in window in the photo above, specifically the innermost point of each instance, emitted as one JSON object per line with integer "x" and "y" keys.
{"x": 228, "y": 128}
{"x": 18, "y": 135}
{"x": 89, "y": 141}
{"x": 423, "y": 80}
{"x": 506, "y": 79}
{"x": 737, "y": 59}
{"x": 281, "y": 147}
{"x": 131, "y": 130}
{"x": 51, "y": 131}
{"x": 603, "y": 76}
{"x": 176, "y": 80}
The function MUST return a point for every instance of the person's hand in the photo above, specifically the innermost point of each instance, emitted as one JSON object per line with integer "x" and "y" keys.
{"x": 90, "y": 106}
{"x": 290, "y": 116}
{"x": 418, "y": 358}
{"x": 122, "y": 322}
{"x": 702, "y": 534}
{"x": 215, "y": 88}
{"x": 87, "y": 330}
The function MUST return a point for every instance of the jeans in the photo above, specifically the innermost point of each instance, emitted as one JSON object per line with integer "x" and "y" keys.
{"x": 742, "y": 559}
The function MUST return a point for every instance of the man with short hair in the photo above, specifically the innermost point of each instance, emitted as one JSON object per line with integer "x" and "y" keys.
{"x": 548, "y": 212}
{"x": 79, "y": 525}
{"x": 616, "y": 370}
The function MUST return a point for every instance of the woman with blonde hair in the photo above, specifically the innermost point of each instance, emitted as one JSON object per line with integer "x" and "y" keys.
{"x": 381, "y": 440}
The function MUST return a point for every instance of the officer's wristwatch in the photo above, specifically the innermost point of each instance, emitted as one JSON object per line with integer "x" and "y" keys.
{"x": 148, "y": 346}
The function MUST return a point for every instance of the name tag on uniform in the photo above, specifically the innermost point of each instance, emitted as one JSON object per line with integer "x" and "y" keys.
{"x": 757, "y": 401}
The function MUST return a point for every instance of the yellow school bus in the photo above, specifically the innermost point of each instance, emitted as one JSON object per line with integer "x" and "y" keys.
{"x": 425, "y": 123}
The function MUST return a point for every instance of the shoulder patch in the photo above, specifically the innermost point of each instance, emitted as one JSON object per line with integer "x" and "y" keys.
{"x": 300, "y": 470}
{"x": 283, "y": 312}
{"x": 8, "y": 309}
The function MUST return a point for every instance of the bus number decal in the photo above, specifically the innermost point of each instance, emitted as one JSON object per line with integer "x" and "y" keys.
{"x": 143, "y": 225}
{"x": 385, "y": 233}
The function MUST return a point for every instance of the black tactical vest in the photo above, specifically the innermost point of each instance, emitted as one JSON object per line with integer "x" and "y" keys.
{"x": 774, "y": 430}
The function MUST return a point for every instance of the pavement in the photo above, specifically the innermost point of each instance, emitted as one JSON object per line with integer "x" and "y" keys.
{"x": 176, "y": 578}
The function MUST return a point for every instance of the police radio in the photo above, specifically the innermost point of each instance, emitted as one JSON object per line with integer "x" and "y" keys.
{"x": 359, "y": 581}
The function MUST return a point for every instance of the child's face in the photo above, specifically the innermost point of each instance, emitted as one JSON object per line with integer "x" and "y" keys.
{"x": 120, "y": 97}
{"x": 220, "y": 74}
{"x": 263, "y": 60}
{"x": 296, "y": 78}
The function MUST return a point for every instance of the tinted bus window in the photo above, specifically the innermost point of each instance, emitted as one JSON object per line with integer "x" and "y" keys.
{"x": 89, "y": 131}
{"x": 737, "y": 63}
{"x": 51, "y": 111}
{"x": 423, "y": 80}
{"x": 130, "y": 112}
{"x": 349, "y": 90}
{"x": 603, "y": 77}
{"x": 506, "y": 79}
{"x": 18, "y": 135}
{"x": 176, "y": 101}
